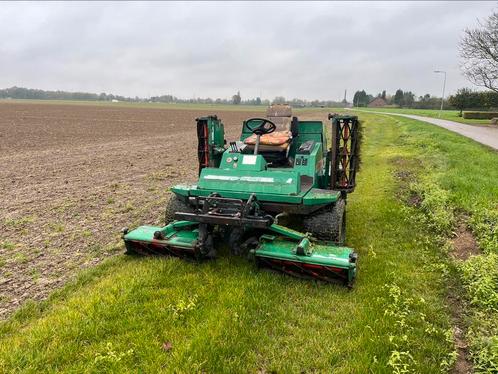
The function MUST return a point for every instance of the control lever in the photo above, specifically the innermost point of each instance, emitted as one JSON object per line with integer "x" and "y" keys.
{"x": 233, "y": 147}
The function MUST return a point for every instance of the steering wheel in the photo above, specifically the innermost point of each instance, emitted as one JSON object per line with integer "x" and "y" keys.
{"x": 265, "y": 127}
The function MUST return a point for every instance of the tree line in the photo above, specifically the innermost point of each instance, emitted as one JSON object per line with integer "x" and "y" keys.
{"x": 36, "y": 94}
{"x": 464, "y": 98}
{"x": 404, "y": 99}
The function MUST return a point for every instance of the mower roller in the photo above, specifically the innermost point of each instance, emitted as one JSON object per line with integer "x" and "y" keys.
{"x": 280, "y": 170}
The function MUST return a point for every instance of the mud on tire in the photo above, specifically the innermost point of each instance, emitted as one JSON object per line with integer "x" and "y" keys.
{"x": 173, "y": 205}
{"x": 328, "y": 223}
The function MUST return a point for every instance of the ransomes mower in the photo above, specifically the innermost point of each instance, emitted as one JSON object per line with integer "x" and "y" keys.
{"x": 255, "y": 192}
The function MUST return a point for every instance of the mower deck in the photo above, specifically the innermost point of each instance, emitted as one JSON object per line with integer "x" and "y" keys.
{"x": 326, "y": 262}
{"x": 289, "y": 251}
{"x": 178, "y": 239}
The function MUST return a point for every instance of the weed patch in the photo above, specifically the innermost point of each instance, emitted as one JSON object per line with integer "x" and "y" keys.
{"x": 436, "y": 206}
{"x": 480, "y": 277}
{"x": 19, "y": 222}
{"x": 485, "y": 350}
{"x": 484, "y": 223}
{"x": 182, "y": 307}
{"x": 21, "y": 258}
{"x": 57, "y": 227}
{"x": 408, "y": 315}
{"x": 7, "y": 245}
{"x": 105, "y": 360}
{"x": 128, "y": 207}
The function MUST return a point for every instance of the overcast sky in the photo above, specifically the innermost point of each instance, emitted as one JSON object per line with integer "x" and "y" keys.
{"x": 307, "y": 50}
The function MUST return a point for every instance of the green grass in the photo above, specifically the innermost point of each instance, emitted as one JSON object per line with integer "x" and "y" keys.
{"x": 450, "y": 115}
{"x": 226, "y": 316}
{"x": 20, "y": 222}
{"x": 125, "y": 104}
{"x": 7, "y": 245}
{"x": 185, "y": 106}
{"x": 457, "y": 181}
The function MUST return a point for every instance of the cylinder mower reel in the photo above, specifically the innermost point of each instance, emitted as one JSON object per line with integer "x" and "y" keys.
{"x": 279, "y": 175}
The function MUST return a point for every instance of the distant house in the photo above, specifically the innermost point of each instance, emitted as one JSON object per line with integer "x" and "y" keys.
{"x": 377, "y": 102}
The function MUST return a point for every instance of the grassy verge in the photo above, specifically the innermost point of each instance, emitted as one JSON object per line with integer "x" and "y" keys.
{"x": 158, "y": 314}
{"x": 450, "y": 115}
{"x": 451, "y": 192}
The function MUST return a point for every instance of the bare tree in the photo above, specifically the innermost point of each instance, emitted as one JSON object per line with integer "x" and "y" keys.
{"x": 479, "y": 51}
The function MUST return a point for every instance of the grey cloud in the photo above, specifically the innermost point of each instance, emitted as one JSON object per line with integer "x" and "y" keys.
{"x": 309, "y": 49}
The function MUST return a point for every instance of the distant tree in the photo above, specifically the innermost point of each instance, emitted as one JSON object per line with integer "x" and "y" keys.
{"x": 488, "y": 99}
{"x": 468, "y": 99}
{"x": 297, "y": 103}
{"x": 408, "y": 99}
{"x": 279, "y": 100}
{"x": 398, "y": 97}
{"x": 479, "y": 52}
{"x": 236, "y": 99}
{"x": 427, "y": 102}
{"x": 462, "y": 99}
{"x": 425, "y": 98}
{"x": 361, "y": 99}
{"x": 355, "y": 98}
{"x": 27, "y": 93}
{"x": 383, "y": 95}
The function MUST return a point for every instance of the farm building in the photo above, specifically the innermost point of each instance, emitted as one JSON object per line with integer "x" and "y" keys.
{"x": 377, "y": 102}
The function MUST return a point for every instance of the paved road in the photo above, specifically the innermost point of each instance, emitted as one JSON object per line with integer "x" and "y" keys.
{"x": 482, "y": 134}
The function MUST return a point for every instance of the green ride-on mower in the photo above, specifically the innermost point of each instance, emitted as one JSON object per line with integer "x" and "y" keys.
{"x": 280, "y": 170}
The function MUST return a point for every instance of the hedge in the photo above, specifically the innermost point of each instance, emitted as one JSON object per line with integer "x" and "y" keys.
{"x": 480, "y": 115}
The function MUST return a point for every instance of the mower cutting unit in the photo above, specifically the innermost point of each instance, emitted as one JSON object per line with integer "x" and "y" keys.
{"x": 280, "y": 170}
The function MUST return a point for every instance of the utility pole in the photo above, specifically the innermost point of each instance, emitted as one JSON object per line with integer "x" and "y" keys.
{"x": 444, "y": 86}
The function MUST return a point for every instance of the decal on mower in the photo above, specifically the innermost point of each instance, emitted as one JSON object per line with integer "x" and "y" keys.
{"x": 249, "y": 160}
{"x": 242, "y": 179}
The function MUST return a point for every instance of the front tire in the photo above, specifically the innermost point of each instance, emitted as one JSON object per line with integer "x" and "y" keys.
{"x": 173, "y": 205}
{"x": 328, "y": 223}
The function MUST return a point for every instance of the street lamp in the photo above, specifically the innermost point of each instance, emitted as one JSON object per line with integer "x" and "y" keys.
{"x": 444, "y": 86}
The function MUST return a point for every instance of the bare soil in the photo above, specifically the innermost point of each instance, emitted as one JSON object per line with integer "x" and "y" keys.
{"x": 72, "y": 176}
{"x": 464, "y": 243}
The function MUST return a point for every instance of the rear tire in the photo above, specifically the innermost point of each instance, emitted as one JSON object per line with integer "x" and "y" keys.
{"x": 328, "y": 223}
{"x": 173, "y": 205}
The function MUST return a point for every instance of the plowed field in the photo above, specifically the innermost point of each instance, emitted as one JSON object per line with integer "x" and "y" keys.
{"x": 72, "y": 176}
